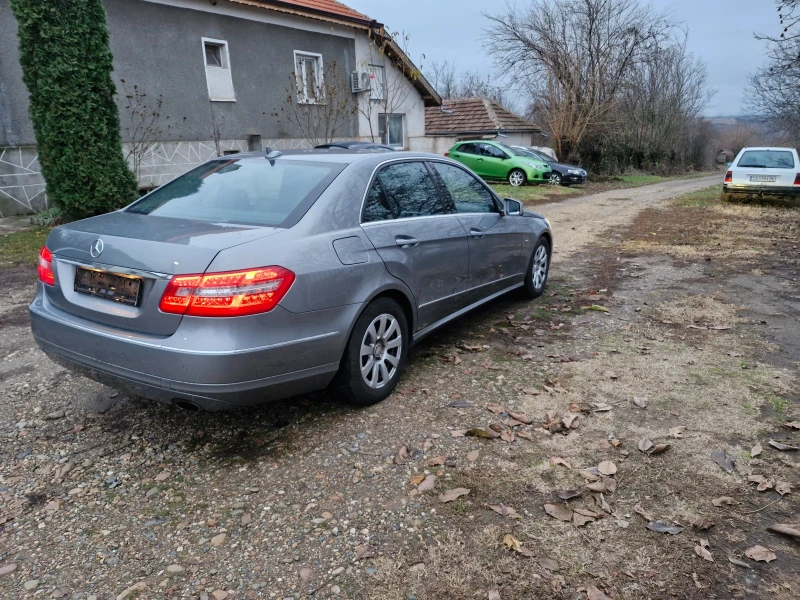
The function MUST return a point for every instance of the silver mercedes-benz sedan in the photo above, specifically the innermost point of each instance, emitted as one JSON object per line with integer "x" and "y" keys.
{"x": 256, "y": 277}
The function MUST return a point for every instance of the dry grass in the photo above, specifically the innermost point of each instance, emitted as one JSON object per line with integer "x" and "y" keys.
{"x": 706, "y": 311}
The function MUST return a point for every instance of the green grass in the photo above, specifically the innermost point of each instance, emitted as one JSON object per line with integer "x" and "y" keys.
{"x": 528, "y": 193}
{"x": 779, "y": 404}
{"x": 22, "y": 247}
{"x": 700, "y": 199}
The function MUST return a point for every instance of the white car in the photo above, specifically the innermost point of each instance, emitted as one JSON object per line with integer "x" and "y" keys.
{"x": 763, "y": 172}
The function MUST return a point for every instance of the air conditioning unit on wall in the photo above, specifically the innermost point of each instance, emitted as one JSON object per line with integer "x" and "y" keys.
{"x": 359, "y": 81}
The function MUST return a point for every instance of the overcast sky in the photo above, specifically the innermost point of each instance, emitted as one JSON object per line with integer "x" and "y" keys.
{"x": 720, "y": 32}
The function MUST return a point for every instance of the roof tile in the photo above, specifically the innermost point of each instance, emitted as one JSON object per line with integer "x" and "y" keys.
{"x": 331, "y": 7}
{"x": 474, "y": 115}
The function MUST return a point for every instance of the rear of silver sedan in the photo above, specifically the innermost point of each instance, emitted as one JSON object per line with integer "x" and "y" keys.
{"x": 145, "y": 300}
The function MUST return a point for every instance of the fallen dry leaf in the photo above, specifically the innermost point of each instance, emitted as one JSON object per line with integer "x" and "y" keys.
{"x": 402, "y": 455}
{"x": 494, "y": 594}
{"x": 639, "y": 510}
{"x": 525, "y": 435}
{"x": 562, "y": 512}
{"x": 661, "y": 527}
{"x": 557, "y": 460}
{"x": 723, "y": 460}
{"x": 640, "y": 401}
{"x": 456, "y": 433}
{"x": 436, "y": 461}
{"x": 601, "y": 406}
{"x": 603, "y": 445}
{"x": 365, "y": 551}
{"x": 756, "y": 450}
{"x": 473, "y": 455}
{"x": 507, "y": 436}
{"x": 417, "y": 479}
{"x": 570, "y": 494}
{"x": 659, "y": 448}
{"x": 531, "y": 391}
{"x": 580, "y": 520}
{"x": 783, "y": 488}
{"x": 453, "y": 494}
{"x": 480, "y": 432}
{"x": 427, "y": 484}
{"x": 792, "y": 530}
{"x": 723, "y": 501}
{"x": 792, "y": 425}
{"x": 703, "y": 553}
{"x": 592, "y": 593}
{"x": 596, "y": 307}
{"x": 645, "y": 444}
{"x": 738, "y": 563}
{"x": 781, "y": 445}
{"x": 611, "y": 375}
{"x": 521, "y": 417}
{"x": 601, "y": 501}
{"x": 496, "y": 408}
{"x": 677, "y": 432}
{"x": 506, "y": 511}
{"x": 763, "y": 483}
{"x": 590, "y": 474}
{"x": 515, "y": 545}
{"x": 569, "y": 421}
{"x": 606, "y": 484}
{"x": 588, "y": 513}
{"x": 760, "y": 554}
{"x": 607, "y": 467}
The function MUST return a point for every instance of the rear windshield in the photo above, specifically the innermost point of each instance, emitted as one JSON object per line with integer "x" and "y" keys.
{"x": 767, "y": 159}
{"x": 252, "y": 191}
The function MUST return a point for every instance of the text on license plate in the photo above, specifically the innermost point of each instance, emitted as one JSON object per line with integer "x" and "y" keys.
{"x": 110, "y": 286}
{"x": 763, "y": 178}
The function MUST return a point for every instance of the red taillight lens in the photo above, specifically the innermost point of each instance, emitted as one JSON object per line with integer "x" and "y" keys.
{"x": 45, "y": 269}
{"x": 231, "y": 294}
{"x": 447, "y": 154}
{"x": 729, "y": 177}
{"x": 797, "y": 179}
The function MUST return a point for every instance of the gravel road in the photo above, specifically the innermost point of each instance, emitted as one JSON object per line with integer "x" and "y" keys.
{"x": 104, "y": 496}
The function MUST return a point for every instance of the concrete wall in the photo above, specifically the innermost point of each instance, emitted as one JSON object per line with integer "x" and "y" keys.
{"x": 401, "y": 96}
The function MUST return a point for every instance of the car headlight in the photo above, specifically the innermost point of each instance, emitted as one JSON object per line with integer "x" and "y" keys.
{"x": 546, "y": 220}
{"x": 535, "y": 166}
{"x": 575, "y": 171}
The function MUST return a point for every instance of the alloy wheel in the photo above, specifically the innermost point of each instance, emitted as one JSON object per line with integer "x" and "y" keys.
{"x": 555, "y": 179}
{"x": 516, "y": 178}
{"x": 381, "y": 349}
{"x": 540, "y": 266}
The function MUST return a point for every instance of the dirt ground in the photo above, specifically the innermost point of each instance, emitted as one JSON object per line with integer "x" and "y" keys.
{"x": 669, "y": 317}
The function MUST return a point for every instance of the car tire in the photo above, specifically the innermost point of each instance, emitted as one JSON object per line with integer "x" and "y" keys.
{"x": 556, "y": 179}
{"x": 517, "y": 177}
{"x": 538, "y": 269}
{"x": 375, "y": 384}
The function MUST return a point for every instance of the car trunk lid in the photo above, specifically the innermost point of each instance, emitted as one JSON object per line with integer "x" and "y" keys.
{"x": 137, "y": 251}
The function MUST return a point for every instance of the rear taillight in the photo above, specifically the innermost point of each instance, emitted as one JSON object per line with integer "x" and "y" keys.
{"x": 797, "y": 179}
{"x": 447, "y": 154}
{"x": 45, "y": 269}
{"x": 232, "y": 294}
{"x": 729, "y": 177}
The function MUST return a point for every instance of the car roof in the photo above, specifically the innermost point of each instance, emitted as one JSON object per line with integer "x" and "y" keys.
{"x": 335, "y": 155}
{"x": 769, "y": 148}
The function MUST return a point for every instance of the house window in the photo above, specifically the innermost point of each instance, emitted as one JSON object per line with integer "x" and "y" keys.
{"x": 376, "y": 78}
{"x": 218, "y": 70}
{"x": 308, "y": 72}
{"x": 390, "y": 128}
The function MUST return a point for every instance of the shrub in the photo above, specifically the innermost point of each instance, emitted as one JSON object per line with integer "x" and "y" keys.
{"x": 66, "y": 65}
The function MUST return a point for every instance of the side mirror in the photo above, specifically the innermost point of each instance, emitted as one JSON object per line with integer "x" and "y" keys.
{"x": 512, "y": 207}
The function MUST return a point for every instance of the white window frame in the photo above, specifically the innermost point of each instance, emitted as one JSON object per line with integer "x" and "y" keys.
{"x": 377, "y": 86}
{"x": 302, "y": 84}
{"x": 219, "y": 80}
{"x": 387, "y": 117}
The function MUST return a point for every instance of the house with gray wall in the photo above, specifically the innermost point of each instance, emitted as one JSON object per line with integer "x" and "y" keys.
{"x": 200, "y": 78}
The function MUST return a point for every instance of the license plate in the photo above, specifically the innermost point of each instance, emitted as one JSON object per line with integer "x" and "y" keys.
{"x": 117, "y": 288}
{"x": 764, "y": 178}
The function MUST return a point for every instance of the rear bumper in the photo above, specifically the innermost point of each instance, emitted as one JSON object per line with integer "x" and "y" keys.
{"x": 761, "y": 190}
{"x": 160, "y": 369}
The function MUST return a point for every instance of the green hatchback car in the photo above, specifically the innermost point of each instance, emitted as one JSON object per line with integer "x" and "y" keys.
{"x": 492, "y": 160}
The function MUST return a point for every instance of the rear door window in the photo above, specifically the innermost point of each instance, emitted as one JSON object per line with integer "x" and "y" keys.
{"x": 403, "y": 190}
{"x": 467, "y": 149}
{"x": 469, "y": 195}
{"x": 242, "y": 191}
{"x": 767, "y": 159}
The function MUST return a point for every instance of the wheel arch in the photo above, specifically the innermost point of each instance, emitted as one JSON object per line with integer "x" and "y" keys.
{"x": 402, "y": 296}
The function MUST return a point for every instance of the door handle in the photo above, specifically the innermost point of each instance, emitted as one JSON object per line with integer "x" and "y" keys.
{"x": 480, "y": 159}
{"x": 478, "y": 233}
{"x": 405, "y": 241}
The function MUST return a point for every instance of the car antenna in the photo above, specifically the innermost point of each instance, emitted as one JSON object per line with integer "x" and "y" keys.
{"x": 272, "y": 154}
